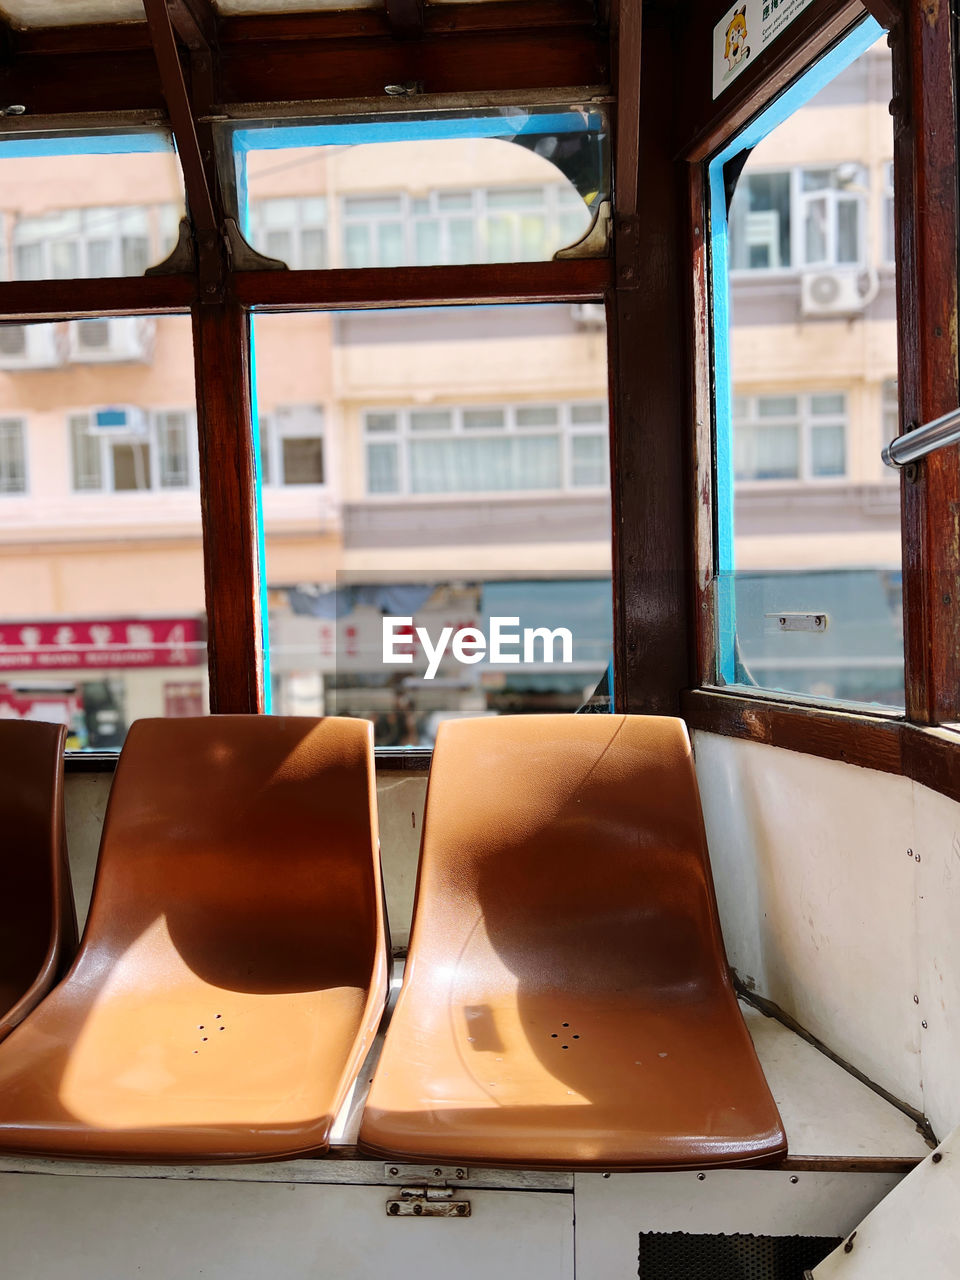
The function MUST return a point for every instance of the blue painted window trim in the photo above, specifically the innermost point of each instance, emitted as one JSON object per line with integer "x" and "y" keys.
{"x": 90, "y": 144}
{"x": 791, "y": 100}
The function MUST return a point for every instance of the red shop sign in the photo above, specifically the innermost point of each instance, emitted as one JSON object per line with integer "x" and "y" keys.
{"x": 111, "y": 642}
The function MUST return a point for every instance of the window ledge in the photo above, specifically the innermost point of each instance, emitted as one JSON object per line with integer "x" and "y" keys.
{"x": 872, "y": 739}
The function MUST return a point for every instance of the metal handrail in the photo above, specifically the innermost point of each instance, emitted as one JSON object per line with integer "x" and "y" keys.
{"x": 916, "y": 444}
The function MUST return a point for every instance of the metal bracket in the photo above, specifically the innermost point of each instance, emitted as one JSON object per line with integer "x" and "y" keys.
{"x": 425, "y": 1173}
{"x": 243, "y": 256}
{"x": 595, "y": 242}
{"x": 427, "y": 1202}
{"x": 182, "y": 257}
{"x": 800, "y": 621}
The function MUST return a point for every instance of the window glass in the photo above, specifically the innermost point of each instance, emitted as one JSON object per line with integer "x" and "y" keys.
{"x": 760, "y": 222}
{"x": 426, "y": 191}
{"x": 514, "y": 447}
{"x": 808, "y": 521}
{"x": 13, "y": 467}
{"x": 96, "y": 205}
{"x": 465, "y": 478}
{"x": 291, "y": 229}
{"x": 101, "y": 563}
{"x": 293, "y": 437}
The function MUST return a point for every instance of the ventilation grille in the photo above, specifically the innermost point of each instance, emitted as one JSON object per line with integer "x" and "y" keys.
{"x": 679, "y": 1256}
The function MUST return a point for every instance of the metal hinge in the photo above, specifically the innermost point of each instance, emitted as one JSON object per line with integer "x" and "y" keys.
{"x": 800, "y": 621}
{"x": 431, "y": 1197}
{"x": 428, "y": 1202}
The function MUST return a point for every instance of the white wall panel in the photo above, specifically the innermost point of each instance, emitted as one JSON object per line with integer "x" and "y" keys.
{"x": 915, "y": 1231}
{"x": 823, "y": 845}
{"x": 937, "y": 844}
{"x": 824, "y": 909}
{"x": 81, "y": 1228}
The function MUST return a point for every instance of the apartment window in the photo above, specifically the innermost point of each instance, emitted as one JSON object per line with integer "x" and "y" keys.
{"x": 890, "y": 415}
{"x": 174, "y": 449}
{"x": 487, "y": 449}
{"x": 292, "y": 229}
{"x": 98, "y": 241}
{"x": 795, "y": 218}
{"x": 13, "y": 458}
{"x": 129, "y": 450}
{"x": 495, "y": 224}
{"x": 790, "y": 437}
{"x": 292, "y": 446}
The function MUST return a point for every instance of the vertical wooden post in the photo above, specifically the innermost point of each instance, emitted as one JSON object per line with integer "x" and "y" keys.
{"x": 647, "y": 383}
{"x": 221, "y": 346}
{"x": 221, "y": 340}
{"x": 925, "y": 158}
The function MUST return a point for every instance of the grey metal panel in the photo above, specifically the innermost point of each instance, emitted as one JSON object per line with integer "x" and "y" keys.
{"x": 467, "y": 522}
{"x": 761, "y": 298}
{"x": 113, "y": 1228}
{"x": 453, "y": 324}
{"x": 784, "y": 509}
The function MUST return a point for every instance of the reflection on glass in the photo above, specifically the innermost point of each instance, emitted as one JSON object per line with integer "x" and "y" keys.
{"x": 88, "y": 206}
{"x": 511, "y": 186}
{"x": 857, "y": 656}
{"x": 465, "y": 475}
{"x": 101, "y": 567}
{"x": 813, "y": 361}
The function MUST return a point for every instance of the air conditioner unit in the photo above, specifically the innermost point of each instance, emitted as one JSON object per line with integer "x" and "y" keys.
{"x": 113, "y": 340}
{"x": 31, "y": 346}
{"x": 119, "y": 421}
{"x": 835, "y": 293}
{"x": 588, "y": 315}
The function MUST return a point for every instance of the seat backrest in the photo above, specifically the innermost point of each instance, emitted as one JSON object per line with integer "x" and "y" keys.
{"x": 255, "y": 839}
{"x": 38, "y": 926}
{"x": 578, "y": 841}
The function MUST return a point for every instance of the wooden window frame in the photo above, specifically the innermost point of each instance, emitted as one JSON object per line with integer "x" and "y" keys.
{"x": 657, "y": 314}
{"x": 915, "y": 745}
{"x": 177, "y": 71}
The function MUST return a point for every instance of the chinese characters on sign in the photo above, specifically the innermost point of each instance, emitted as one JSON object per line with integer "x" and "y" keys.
{"x": 107, "y": 643}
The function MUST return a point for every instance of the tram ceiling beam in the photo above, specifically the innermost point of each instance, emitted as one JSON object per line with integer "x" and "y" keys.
{"x": 405, "y": 17}
{"x": 195, "y": 22}
{"x": 284, "y": 58}
{"x": 196, "y": 172}
{"x": 8, "y": 42}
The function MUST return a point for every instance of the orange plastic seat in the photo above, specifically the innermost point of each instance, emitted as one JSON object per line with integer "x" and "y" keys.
{"x": 566, "y": 1001}
{"x": 38, "y": 923}
{"x": 233, "y": 971}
